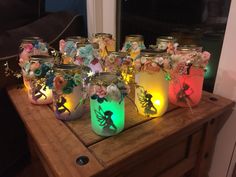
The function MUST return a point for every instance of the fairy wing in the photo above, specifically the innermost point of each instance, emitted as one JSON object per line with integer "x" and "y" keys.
{"x": 142, "y": 97}
{"x": 100, "y": 116}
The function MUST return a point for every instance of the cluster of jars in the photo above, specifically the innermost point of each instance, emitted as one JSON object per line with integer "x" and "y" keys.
{"x": 64, "y": 82}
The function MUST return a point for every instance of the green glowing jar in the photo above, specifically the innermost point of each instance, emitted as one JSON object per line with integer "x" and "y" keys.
{"x": 107, "y": 106}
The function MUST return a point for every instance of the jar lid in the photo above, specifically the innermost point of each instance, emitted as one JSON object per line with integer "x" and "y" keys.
{"x": 105, "y": 35}
{"x": 31, "y": 39}
{"x": 121, "y": 54}
{"x": 105, "y": 77}
{"x": 41, "y": 58}
{"x": 134, "y": 38}
{"x": 94, "y": 45}
{"x": 151, "y": 53}
{"x": 77, "y": 39}
{"x": 166, "y": 39}
{"x": 189, "y": 48}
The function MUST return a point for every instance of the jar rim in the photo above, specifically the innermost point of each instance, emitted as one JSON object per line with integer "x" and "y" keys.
{"x": 166, "y": 39}
{"x": 41, "y": 57}
{"x": 134, "y": 38}
{"x": 32, "y": 39}
{"x": 78, "y": 39}
{"x": 108, "y": 35}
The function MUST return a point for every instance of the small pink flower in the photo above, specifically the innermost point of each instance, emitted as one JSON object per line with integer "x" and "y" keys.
{"x": 62, "y": 45}
{"x": 28, "y": 47}
{"x": 206, "y": 55}
{"x": 34, "y": 66}
{"x": 181, "y": 68}
{"x": 100, "y": 91}
{"x": 24, "y": 56}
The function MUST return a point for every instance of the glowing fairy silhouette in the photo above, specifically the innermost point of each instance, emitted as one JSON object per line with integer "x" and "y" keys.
{"x": 184, "y": 94}
{"x": 145, "y": 99}
{"x": 60, "y": 105}
{"x": 37, "y": 93}
{"x": 105, "y": 120}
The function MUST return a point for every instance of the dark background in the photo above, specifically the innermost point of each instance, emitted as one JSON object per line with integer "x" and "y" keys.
{"x": 201, "y": 22}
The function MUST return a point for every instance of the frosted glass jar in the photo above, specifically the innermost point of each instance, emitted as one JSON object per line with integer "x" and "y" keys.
{"x": 106, "y": 43}
{"x": 133, "y": 45}
{"x": 38, "y": 91}
{"x": 186, "y": 90}
{"x": 30, "y": 46}
{"x": 107, "y": 113}
{"x": 69, "y": 47}
{"x": 68, "y": 92}
{"x": 151, "y": 92}
{"x": 151, "y": 97}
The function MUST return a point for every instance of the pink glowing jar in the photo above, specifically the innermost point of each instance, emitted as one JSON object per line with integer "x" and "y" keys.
{"x": 186, "y": 90}
{"x": 187, "y": 75}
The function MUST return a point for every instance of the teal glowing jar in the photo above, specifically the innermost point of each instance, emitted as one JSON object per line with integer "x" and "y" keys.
{"x": 107, "y": 106}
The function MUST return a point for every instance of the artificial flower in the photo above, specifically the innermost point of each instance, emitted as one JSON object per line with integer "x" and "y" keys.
{"x": 113, "y": 92}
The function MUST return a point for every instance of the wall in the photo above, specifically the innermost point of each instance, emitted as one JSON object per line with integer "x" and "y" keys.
{"x": 101, "y": 16}
{"x": 78, "y": 6}
{"x": 225, "y": 85}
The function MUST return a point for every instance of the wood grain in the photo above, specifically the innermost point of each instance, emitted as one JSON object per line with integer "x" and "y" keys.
{"x": 58, "y": 146}
{"x": 171, "y": 145}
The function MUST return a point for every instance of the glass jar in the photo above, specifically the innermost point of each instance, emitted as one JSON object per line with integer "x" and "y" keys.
{"x": 133, "y": 45}
{"x": 151, "y": 92}
{"x": 185, "y": 87}
{"x": 69, "y": 47}
{"x": 185, "y": 90}
{"x": 30, "y": 46}
{"x": 68, "y": 91}
{"x": 165, "y": 43}
{"x": 88, "y": 55}
{"x": 107, "y": 104}
{"x": 38, "y": 91}
{"x": 106, "y": 43}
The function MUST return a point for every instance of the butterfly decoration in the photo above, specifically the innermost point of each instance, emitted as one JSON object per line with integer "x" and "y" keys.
{"x": 105, "y": 120}
{"x": 145, "y": 100}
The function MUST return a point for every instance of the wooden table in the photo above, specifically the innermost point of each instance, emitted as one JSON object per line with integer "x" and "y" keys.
{"x": 178, "y": 144}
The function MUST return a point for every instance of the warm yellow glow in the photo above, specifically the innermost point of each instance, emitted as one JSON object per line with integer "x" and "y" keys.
{"x": 44, "y": 95}
{"x": 157, "y": 102}
{"x": 155, "y": 85}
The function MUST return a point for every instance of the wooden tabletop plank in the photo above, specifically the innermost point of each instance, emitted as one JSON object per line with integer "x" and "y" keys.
{"x": 82, "y": 127}
{"x": 112, "y": 150}
{"x": 58, "y": 145}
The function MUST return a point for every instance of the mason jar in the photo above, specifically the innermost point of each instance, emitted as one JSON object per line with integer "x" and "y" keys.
{"x": 151, "y": 92}
{"x": 107, "y": 104}
{"x": 133, "y": 45}
{"x": 38, "y": 91}
{"x": 68, "y": 91}
{"x": 185, "y": 90}
{"x": 30, "y": 46}
{"x": 165, "y": 43}
{"x": 69, "y": 47}
{"x": 106, "y": 43}
{"x": 185, "y": 87}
